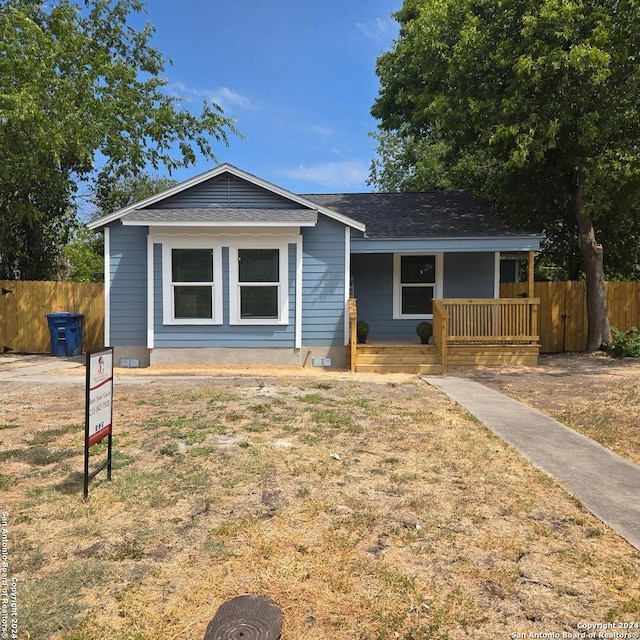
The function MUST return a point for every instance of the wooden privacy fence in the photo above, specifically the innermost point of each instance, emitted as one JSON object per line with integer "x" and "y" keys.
{"x": 24, "y": 305}
{"x": 563, "y": 311}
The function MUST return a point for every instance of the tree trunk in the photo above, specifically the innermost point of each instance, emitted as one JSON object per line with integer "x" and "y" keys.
{"x": 597, "y": 312}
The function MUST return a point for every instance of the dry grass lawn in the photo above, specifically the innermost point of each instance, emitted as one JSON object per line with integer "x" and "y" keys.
{"x": 367, "y": 507}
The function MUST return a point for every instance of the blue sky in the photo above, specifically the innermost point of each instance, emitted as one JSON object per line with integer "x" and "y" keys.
{"x": 297, "y": 76}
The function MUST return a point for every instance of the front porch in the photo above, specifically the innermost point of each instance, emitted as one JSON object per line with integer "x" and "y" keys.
{"x": 467, "y": 332}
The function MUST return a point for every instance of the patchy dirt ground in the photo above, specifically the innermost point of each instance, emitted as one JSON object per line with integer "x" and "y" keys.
{"x": 368, "y": 507}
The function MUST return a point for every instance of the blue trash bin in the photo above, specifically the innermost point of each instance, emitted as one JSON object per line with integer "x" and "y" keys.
{"x": 66, "y": 333}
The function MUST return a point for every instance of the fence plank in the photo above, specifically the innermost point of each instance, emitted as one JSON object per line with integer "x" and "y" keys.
{"x": 23, "y": 325}
{"x": 569, "y": 299}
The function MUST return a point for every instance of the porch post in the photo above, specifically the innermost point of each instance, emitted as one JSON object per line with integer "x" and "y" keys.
{"x": 533, "y": 308}
{"x": 531, "y": 264}
{"x": 353, "y": 334}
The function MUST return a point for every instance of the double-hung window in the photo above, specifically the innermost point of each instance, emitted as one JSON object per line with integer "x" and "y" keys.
{"x": 192, "y": 292}
{"x": 416, "y": 284}
{"x": 258, "y": 280}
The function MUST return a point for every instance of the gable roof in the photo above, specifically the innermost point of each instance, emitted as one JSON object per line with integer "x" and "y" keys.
{"x": 435, "y": 214}
{"x": 301, "y": 201}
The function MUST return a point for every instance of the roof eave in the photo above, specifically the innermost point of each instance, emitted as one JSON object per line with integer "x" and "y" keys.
{"x": 524, "y": 236}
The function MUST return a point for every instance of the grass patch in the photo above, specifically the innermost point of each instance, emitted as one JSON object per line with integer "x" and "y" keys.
{"x": 38, "y": 455}
{"x": 52, "y": 603}
{"x": 50, "y": 435}
{"x": 169, "y": 449}
{"x": 312, "y": 398}
{"x": 7, "y": 454}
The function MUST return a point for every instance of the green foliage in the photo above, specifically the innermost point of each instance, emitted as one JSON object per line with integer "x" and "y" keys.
{"x": 624, "y": 344}
{"x": 114, "y": 195}
{"x": 83, "y": 257}
{"x": 78, "y": 83}
{"x": 362, "y": 328}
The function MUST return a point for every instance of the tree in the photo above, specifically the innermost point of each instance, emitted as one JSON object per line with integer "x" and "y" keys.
{"x": 78, "y": 84}
{"x": 536, "y": 104}
{"x": 84, "y": 257}
{"x": 127, "y": 190}
{"x": 84, "y": 254}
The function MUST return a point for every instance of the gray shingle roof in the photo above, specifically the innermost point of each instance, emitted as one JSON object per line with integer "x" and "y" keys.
{"x": 223, "y": 215}
{"x": 433, "y": 214}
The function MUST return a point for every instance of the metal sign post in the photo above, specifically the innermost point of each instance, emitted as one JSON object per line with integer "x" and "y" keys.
{"x": 99, "y": 410}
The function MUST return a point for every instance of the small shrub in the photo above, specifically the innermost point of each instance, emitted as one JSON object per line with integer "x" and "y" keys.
{"x": 624, "y": 344}
{"x": 424, "y": 331}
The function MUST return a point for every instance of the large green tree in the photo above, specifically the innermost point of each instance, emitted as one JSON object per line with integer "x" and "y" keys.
{"x": 533, "y": 104}
{"x": 82, "y": 97}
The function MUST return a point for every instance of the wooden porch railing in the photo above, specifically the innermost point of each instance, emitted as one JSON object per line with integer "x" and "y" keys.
{"x": 491, "y": 321}
{"x": 476, "y": 322}
{"x": 353, "y": 333}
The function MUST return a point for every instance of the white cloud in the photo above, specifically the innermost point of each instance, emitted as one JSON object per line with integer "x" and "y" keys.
{"x": 378, "y": 29}
{"x": 228, "y": 98}
{"x": 223, "y": 96}
{"x": 318, "y": 129}
{"x": 333, "y": 175}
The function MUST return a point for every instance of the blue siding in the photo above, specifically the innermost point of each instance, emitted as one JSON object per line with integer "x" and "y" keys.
{"x": 323, "y": 293}
{"x": 469, "y": 275}
{"x": 227, "y": 191}
{"x": 373, "y": 284}
{"x": 223, "y": 335}
{"x": 466, "y": 275}
{"x": 128, "y": 291}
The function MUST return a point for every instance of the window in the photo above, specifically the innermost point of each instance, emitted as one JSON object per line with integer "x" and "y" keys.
{"x": 192, "y": 283}
{"x": 258, "y": 278}
{"x": 191, "y": 293}
{"x": 416, "y": 284}
{"x": 258, "y": 275}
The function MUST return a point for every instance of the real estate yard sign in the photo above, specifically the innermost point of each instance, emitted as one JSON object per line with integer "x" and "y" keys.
{"x": 99, "y": 409}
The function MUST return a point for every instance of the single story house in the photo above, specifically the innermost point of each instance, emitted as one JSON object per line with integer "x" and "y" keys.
{"x": 228, "y": 268}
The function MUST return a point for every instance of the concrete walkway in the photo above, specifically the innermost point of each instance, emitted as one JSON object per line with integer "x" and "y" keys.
{"x": 605, "y": 483}
{"x": 22, "y": 368}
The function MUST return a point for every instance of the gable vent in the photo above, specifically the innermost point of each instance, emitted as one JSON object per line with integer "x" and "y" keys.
{"x": 226, "y": 191}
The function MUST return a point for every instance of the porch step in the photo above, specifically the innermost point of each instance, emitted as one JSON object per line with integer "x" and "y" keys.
{"x": 398, "y": 349}
{"x": 397, "y": 358}
{"x": 428, "y": 369}
{"x": 378, "y": 358}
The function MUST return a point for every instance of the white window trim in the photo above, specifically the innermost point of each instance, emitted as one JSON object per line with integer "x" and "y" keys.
{"x": 107, "y": 286}
{"x": 151, "y": 271}
{"x": 283, "y": 284}
{"x": 397, "y": 297}
{"x": 168, "y": 244}
{"x": 298, "y": 300}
